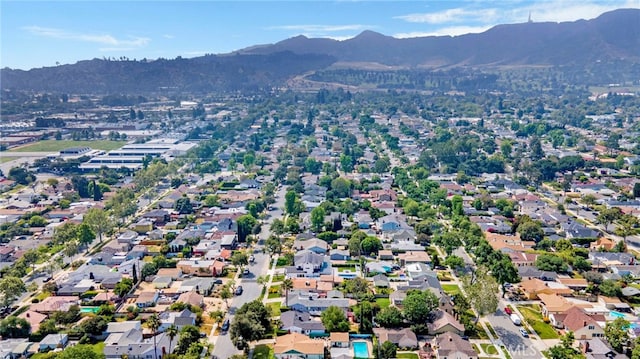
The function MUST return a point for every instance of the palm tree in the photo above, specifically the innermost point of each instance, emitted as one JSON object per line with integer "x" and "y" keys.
{"x": 172, "y": 332}
{"x": 154, "y": 323}
{"x": 286, "y": 285}
{"x": 225, "y": 294}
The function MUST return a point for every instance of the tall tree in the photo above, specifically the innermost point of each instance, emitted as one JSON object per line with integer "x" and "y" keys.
{"x": 10, "y": 289}
{"x": 505, "y": 272}
{"x": 99, "y": 221}
{"x": 85, "y": 235}
{"x": 172, "y": 332}
{"x": 608, "y": 216}
{"x": 334, "y": 319}
{"x": 154, "y": 323}
{"x": 616, "y": 334}
{"x": 317, "y": 218}
{"x": 287, "y": 284}
{"x": 418, "y": 306}
{"x": 481, "y": 289}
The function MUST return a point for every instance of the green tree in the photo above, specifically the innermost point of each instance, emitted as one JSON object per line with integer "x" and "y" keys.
{"x": 616, "y": 333}
{"x": 610, "y": 288}
{"x": 551, "y": 262}
{"x": 99, "y": 221}
{"x": 79, "y": 352}
{"x": 251, "y": 322}
{"x": 290, "y": 202}
{"x": 10, "y": 289}
{"x": 481, "y": 289}
{"x": 608, "y": 216}
{"x": 388, "y": 350}
{"x": 357, "y": 286}
{"x": 189, "y": 334}
{"x": 287, "y": 285}
{"x": 317, "y": 219}
{"x": 246, "y": 223}
{"x": 627, "y": 225}
{"x": 390, "y": 317}
{"x": 418, "y": 306}
{"x": 154, "y": 323}
{"x": 183, "y": 205}
{"x": 531, "y": 231}
{"x": 334, "y": 320}
{"x": 14, "y": 327}
{"x": 370, "y": 244}
{"x": 454, "y": 262}
{"x": 240, "y": 259}
{"x": 505, "y": 272}
{"x": 85, "y": 235}
{"x": 123, "y": 287}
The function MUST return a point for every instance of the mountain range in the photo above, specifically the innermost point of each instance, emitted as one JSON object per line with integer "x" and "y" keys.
{"x": 613, "y": 36}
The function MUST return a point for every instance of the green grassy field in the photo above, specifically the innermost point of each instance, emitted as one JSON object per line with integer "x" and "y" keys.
{"x": 451, "y": 289}
{"x": 275, "y": 308}
{"x": 383, "y": 302}
{"x": 263, "y": 351}
{"x": 534, "y": 318}
{"x": 54, "y": 146}
{"x": 407, "y": 355}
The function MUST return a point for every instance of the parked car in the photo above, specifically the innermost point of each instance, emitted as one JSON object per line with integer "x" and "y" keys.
{"x": 239, "y": 290}
{"x": 524, "y": 333}
{"x": 225, "y": 325}
{"x": 508, "y": 310}
{"x": 217, "y": 281}
{"x": 252, "y": 258}
{"x": 516, "y": 319}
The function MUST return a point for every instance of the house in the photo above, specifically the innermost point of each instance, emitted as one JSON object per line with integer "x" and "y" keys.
{"x": 178, "y": 319}
{"x": 403, "y": 338}
{"x": 147, "y": 299}
{"x": 450, "y": 345}
{"x": 301, "y": 322}
{"x": 380, "y": 280}
{"x": 339, "y": 339}
{"x": 193, "y": 298}
{"x": 553, "y": 304}
{"x": 15, "y": 348}
{"x": 314, "y": 244}
{"x": 34, "y": 319}
{"x": 385, "y": 255}
{"x": 576, "y": 230}
{"x": 53, "y": 341}
{"x": 598, "y": 348}
{"x": 445, "y": 322}
{"x": 142, "y": 226}
{"x": 296, "y": 345}
{"x": 339, "y": 255}
{"x": 414, "y": 257}
{"x": 533, "y": 287}
{"x": 308, "y": 262}
{"x": 603, "y": 243}
{"x": 53, "y": 304}
{"x": 582, "y": 325}
{"x": 132, "y": 345}
{"x": 313, "y": 304}
{"x": 158, "y": 216}
{"x": 121, "y": 327}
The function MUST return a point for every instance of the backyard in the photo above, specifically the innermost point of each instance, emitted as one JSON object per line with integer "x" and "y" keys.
{"x": 263, "y": 351}
{"x": 451, "y": 289}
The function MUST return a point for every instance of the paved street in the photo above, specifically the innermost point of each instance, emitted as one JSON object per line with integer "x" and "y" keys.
{"x": 223, "y": 348}
{"x": 509, "y": 336}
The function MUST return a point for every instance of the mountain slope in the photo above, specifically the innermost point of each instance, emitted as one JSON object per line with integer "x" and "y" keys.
{"x": 613, "y": 36}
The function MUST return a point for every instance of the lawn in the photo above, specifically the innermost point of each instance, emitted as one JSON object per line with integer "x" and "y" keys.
{"x": 278, "y": 278}
{"x": 534, "y": 318}
{"x": 407, "y": 355}
{"x": 451, "y": 289}
{"x": 55, "y": 146}
{"x": 444, "y": 277}
{"x": 262, "y": 351}
{"x": 383, "y": 302}
{"x": 275, "y": 308}
{"x": 274, "y": 291}
{"x": 489, "y": 349}
{"x": 491, "y": 330}
{"x": 7, "y": 159}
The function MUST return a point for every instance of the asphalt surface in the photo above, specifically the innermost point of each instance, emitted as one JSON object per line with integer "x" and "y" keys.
{"x": 509, "y": 336}
{"x": 223, "y": 348}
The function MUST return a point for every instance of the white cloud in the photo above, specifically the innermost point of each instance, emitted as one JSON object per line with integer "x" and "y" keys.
{"x": 105, "y": 39}
{"x": 320, "y": 28}
{"x": 555, "y": 11}
{"x": 452, "y": 16}
{"x": 451, "y": 30}
{"x": 168, "y": 36}
{"x": 116, "y": 49}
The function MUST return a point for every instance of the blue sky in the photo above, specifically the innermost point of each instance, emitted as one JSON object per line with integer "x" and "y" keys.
{"x": 43, "y": 33}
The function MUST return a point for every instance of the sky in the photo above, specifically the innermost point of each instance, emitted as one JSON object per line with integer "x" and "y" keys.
{"x": 44, "y": 33}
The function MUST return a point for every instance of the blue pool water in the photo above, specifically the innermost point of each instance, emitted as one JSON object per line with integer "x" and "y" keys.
{"x": 360, "y": 350}
{"x": 616, "y": 314}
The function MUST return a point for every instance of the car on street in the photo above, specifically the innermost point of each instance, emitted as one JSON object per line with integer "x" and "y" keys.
{"x": 246, "y": 271}
{"x": 225, "y": 325}
{"x": 239, "y": 290}
{"x": 524, "y": 333}
{"x": 252, "y": 258}
{"x": 508, "y": 310}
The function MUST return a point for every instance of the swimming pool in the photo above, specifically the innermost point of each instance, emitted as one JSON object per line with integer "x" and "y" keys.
{"x": 360, "y": 350}
{"x": 89, "y": 309}
{"x": 615, "y": 314}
